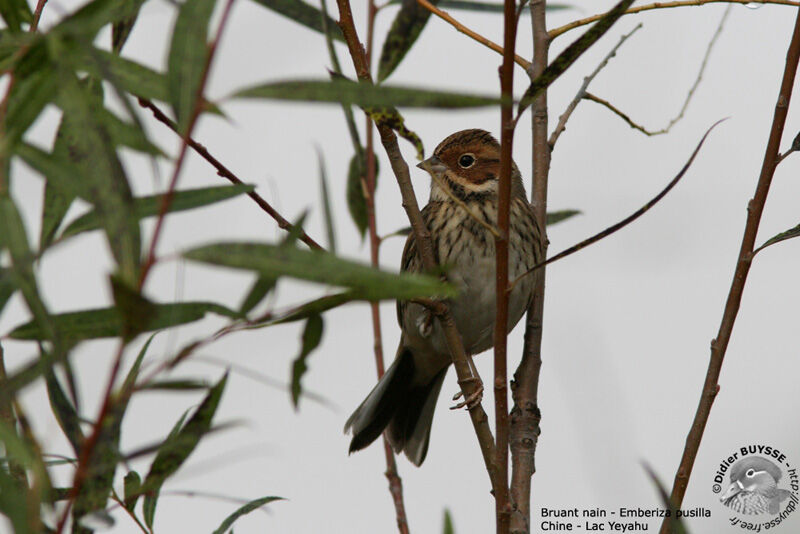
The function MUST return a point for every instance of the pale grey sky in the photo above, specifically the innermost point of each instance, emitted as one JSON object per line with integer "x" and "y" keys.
{"x": 627, "y": 324}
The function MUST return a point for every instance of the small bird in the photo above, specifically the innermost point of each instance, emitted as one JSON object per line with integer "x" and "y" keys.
{"x": 461, "y": 216}
{"x": 754, "y": 487}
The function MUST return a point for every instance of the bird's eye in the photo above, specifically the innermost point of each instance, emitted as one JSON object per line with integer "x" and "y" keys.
{"x": 466, "y": 161}
{"x": 750, "y": 473}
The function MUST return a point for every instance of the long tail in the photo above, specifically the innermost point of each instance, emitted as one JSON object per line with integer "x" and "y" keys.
{"x": 401, "y": 405}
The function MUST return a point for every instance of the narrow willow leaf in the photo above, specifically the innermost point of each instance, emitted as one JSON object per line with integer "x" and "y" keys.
{"x": 28, "y": 98}
{"x": 178, "y": 446}
{"x": 356, "y": 198}
{"x": 132, "y": 488}
{"x": 14, "y": 13}
{"x": 304, "y": 14}
{"x": 364, "y": 94}
{"x": 56, "y": 204}
{"x": 186, "y": 62}
{"x": 676, "y": 525}
{"x": 783, "y": 236}
{"x": 322, "y": 267}
{"x": 448, "y": 523}
{"x": 108, "y": 187}
{"x": 121, "y": 29}
{"x": 151, "y": 497}
{"x": 149, "y": 206}
{"x": 7, "y": 286}
{"x": 244, "y": 510}
{"x": 326, "y": 204}
{"x": 133, "y": 77}
{"x": 133, "y": 308}
{"x": 106, "y": 322}
{"x": 65, "y": 413}
{"x": 57, "y": 169}
{"x": 130, "y": 135}
{"x": 174, "y": 385}
{"x": 317, "y": 307}
{"x": 261, "y": 288}
{"x": 555, "y": 217}
{"x": 312, "y": 335}
{"x": 566, "y": 58}
{"x": 15, "y": 240}
{"x": 407, "y": 25}
{"x": 21, "y": 452}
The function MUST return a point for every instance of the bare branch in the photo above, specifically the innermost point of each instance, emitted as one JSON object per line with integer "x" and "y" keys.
{"x": 445, "y": 16}
{"x": 664, "y": 5}
{"x": 627, "y": 220}
{"x": 562, "y": 120}
{"x": 689, "y": 95}
{"x": 719, "y": 345}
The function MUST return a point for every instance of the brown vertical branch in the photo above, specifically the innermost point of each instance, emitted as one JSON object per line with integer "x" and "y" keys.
{"x": 393, "y": 477}
{"x": 719, "y": 345}
{"x": 469, "y": 387}
{"x": 525, "y": 414}
{"x": 502, "y": 498}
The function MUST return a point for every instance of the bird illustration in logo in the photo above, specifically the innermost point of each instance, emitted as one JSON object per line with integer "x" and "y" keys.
{"x": 754, "y": 487}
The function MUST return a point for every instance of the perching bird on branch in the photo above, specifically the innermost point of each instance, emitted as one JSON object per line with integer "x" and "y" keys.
{"x": 754, "y": 487}
{"x": 461, "y": 216}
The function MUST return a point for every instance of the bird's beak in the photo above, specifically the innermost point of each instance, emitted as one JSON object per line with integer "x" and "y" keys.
{"x": 432, "y": 164}
{"x": 733, "y": 489}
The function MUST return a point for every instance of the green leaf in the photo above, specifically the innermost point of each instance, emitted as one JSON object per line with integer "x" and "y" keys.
{"x": 676, "y": 525}
{"x": 132, "y": 488}
{"x": 133, "y": 77}
{"x": 65, "y": 413}
{"x": 186, "y": 63}
{"x": 566, "y": 58}
{"x": 107, "y": 322}
{"x": 14, "y": 503}
{"x": 356, "y": 199}
{"x": 27, "y": 100}
{"x": 130, "y": 135}
{"x": 149, "y": 206}
{"x": 317, "y": 306}
{"x": 14, "y": 13}
{"x": 783, "y": 236}
{"x": 89, "y": 19}
{"x": 364, "y": 94}
{"x": 312, "y": 335}
{"x": 304, "y": 14}
{"x": 121, "y": 29}
{"x": 407, "y": 25}
{"x": 326, "y": 204}
{"x": 244, "y": 510}
{"x": 323, "y": 267}
{"x": 7, "y": 287}
{"x": 485, "y": 7}
{"x": 108, "y": 187}
{"x": 174, "y": 385}
{"x": 178, "y": 446}
{"x": 448, "y": 523}
{"x": 261, "y": 287}
{"x": 555, "y": 217}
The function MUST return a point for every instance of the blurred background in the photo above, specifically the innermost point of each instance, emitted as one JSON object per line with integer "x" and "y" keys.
{"x": 628, "y": 321}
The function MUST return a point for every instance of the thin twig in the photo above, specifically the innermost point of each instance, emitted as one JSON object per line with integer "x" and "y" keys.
{"x": 555, "y": 32}
{"x": 37, "y": 15}
{"x": 392, "y": 475}
{"x": 424, "y": 246}
{"x": 624, "y": 222}
{"x": 562, "y": 120}
{"x": 525, "y": 415}
{"x": 445, "y": 16}
{"x": 502, "y": 495}
{"x": 755, "y": 207}
{"x": 226, "y": 173}
{"x": 689, "y": 95}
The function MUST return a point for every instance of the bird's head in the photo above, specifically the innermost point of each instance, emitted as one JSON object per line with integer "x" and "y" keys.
{"x": 752, "y": 475}
{"x": 468, "y": 164}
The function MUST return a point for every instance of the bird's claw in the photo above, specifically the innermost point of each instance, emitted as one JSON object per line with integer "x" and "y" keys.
{"x": 473, "y": 399}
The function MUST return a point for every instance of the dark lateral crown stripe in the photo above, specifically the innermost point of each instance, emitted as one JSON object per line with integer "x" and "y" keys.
{"x": 465, "y": 137}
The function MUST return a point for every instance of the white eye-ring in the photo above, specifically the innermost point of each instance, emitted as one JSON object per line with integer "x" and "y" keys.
{"x": 466, "y": 160}
{"x": 750, "y": 473}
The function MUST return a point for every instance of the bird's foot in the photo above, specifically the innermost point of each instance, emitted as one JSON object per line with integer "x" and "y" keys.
{"x": 473, "y": 399}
